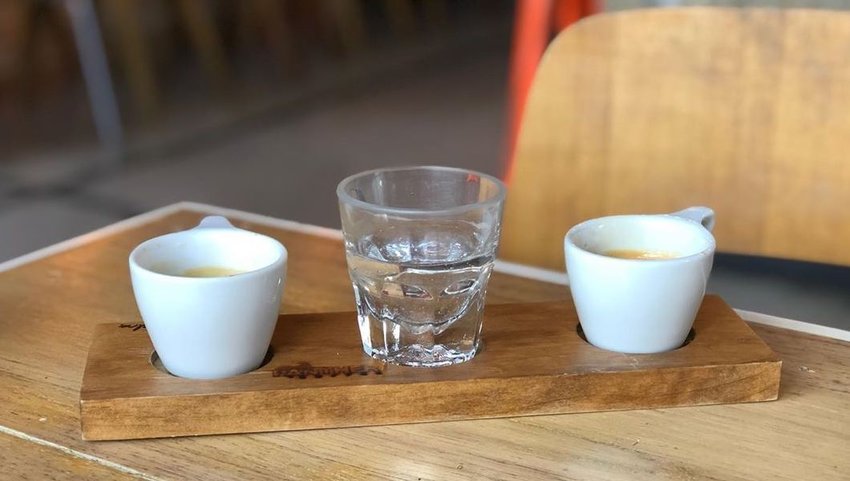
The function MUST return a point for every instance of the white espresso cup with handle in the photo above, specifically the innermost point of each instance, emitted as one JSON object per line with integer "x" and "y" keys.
{"x": 210, "y": 297}
{"x": 638, "y": 280}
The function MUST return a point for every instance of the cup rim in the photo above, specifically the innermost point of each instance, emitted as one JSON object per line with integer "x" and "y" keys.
{"x": 705, "y": 233}
{"x": 282, "y": 255}
{"x": 345, "y": 198}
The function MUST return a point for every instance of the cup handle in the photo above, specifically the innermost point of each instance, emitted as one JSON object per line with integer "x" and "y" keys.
{"x": 699, "y": 214}
{"x": 215, "y": 222}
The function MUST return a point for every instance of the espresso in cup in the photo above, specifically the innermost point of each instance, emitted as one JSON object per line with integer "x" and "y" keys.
{"x": 638, "y": 280}
{"x": 638, "y": 254}
{"x": 211, "y": 271}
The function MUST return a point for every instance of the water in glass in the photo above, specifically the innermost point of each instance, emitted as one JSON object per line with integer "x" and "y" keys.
{"x": 419, "y": 303}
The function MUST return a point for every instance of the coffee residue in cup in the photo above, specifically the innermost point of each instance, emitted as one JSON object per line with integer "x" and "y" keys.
{"x": 638, "y": 254}
{"x": 211, "y": 271}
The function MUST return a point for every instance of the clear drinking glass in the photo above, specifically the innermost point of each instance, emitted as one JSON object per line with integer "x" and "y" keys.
{"x": 420, "y": 244}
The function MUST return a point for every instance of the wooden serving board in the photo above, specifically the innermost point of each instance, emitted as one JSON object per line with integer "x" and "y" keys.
{"x": 533, "y": 362}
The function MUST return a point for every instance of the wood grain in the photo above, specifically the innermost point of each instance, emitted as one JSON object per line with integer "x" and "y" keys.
{"x": 651, "y": 111}
{"x": 533, "y": 362}
{"x": 48, "y": 310}
{"x": 24, "y": 460}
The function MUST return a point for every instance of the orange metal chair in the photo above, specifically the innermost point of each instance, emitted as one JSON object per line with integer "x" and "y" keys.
{"x": 534, "y": 23}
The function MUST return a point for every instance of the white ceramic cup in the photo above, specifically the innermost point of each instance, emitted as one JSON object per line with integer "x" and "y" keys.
{"x": 209, "y": 327}
{"x": 640, "y": 306}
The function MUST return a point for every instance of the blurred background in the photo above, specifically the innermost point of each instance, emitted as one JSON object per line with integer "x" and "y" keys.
{"x": 114, "y": 107}
{"x": 111, "y": 108}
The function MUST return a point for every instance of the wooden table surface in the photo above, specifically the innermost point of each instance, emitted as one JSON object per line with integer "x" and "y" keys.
{"x": 49, "y": 306}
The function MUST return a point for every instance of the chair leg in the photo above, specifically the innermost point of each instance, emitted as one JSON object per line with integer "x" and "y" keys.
{"x": 95, "y": 68}
{"x": 402, "y": 17}
{"x": 206, "y": 40}
{"x": 269, "y": 17}
{"x": 436, "y": 13}
{"x": 18, "y": 25}
{"x": 347, "y": 19}
{"x": 135, "y": 54}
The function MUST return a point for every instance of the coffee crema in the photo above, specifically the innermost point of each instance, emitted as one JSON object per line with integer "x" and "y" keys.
{"x": 211, "y": 271}
{"x": 638, "y": 254}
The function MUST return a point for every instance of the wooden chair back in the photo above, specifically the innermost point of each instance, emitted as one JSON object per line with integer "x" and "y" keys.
{"x": 651, "y": 111}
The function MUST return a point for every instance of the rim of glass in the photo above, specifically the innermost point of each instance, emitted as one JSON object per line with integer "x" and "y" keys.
{"x": 343, "y": 196}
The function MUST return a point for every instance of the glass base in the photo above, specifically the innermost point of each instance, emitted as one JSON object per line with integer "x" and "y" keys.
{"x": 421, "y": 356}
{"x": 422, "y": 345}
